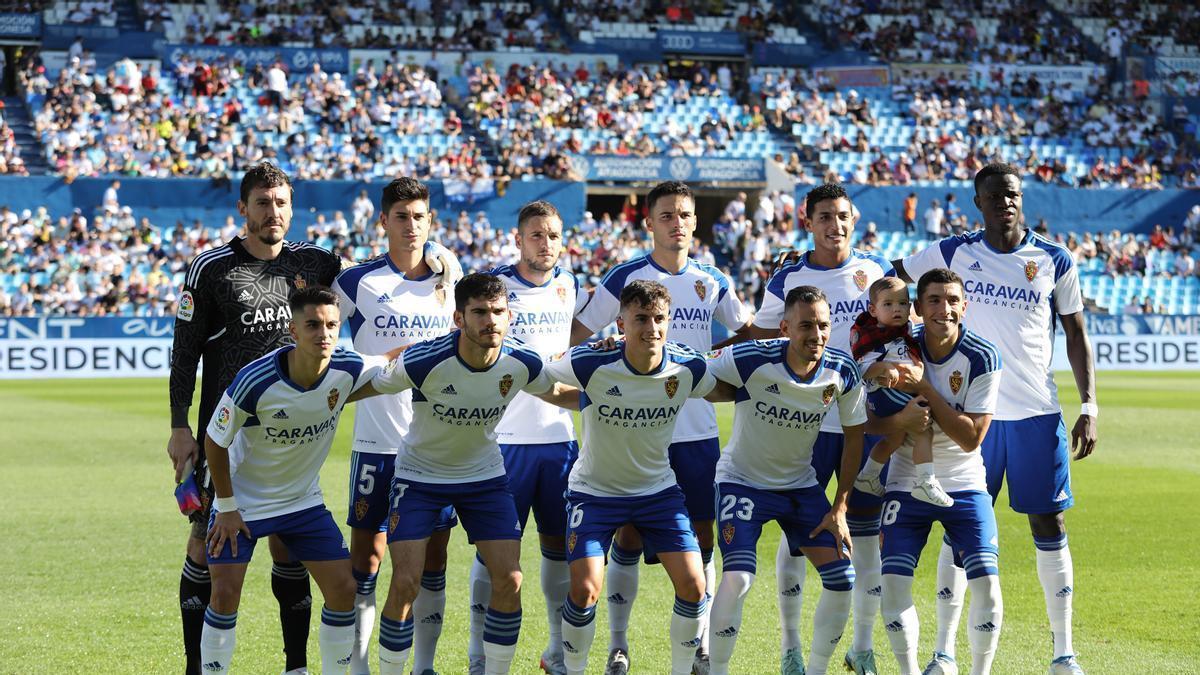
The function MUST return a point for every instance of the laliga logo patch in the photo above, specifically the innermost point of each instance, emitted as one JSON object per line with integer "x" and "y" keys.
{"x": 827, "y": 394}
{"x": 701, "y": 291}
{"x": 223, "y": 417}
{"x": 956, "y": 381}
{"x": 714, "y": 353}
{"x": 571, "y": 541}
{"x": 671, "y": 385}
{"x": 860, "y": 280}
{"x": 333, "y": 398}
{"x": 558, "y": 356}
{"x": 393, "y": 521}
{"x": 299, "y": 281}
{"x": 505, "y": 384}
{"x": 187, "y": 306}
{"x": 439, "y": 292}
{"x": 360, "y": 508}
{"x": 727, "y": 533}
{"x": 1031, "y": 270}
{"x": 562, "y": 294}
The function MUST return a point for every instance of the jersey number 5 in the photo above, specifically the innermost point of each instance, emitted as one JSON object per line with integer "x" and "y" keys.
{"x": 366, "y": 479}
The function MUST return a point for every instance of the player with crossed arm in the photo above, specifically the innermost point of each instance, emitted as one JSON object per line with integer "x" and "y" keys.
{"x": 391, "y": 302}
{"x": 265, "y": 446}
{"x": 630, "y": 400}
{"x": 537, "y": 439}
{"x": 845, "y": 276}
{"x": 961, "y": 379}
{"x": 783, "y": 389}
{"x": 462, "y": 382}
{"x": 1020, "y": 285}
{"x": 700, "y": 294}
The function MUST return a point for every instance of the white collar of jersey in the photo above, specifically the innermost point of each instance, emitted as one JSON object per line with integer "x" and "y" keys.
{"x": 687, "y": 264}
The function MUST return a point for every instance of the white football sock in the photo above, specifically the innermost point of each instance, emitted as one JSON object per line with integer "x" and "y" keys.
{"x": 364, "y": 622}
{"x": 871, "y": 468}
{"x": 710, "y": 588}
{"x": 789, "y": 583}
{"x": 578, "y": 632}
{"x": 867, "y": 586}
{"x": 952, "y": 588}
{"x": 833, "y": 609}
{"x": 335, "y": 638}
{"x": 900, "y": 619}
{"x": 1058, "y": 585}
{"x": 428, "y": 610}
{"x": 725, "y": 617}
{"x": 481, "y": 596}
{"x": 556, "y": 581}
{"x": 986, "y": 617}
{"x": 395, "y": 642}
{"x": 622, "y": 583}
{"x": 217, "y": 641}
{"x": 685, "y": 634}
{"x": 500, "y": 633}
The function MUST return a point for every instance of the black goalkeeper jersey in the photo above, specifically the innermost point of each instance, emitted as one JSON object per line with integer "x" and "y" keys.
{"x": 234, "y": 309}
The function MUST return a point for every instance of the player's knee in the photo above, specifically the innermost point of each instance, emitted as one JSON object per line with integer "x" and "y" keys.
{"x": 1047, "y": 524}
{"x": 585, "y": 592}
{"x": 405, "y": 585}
{"x": 196, "y": 550}
{"x": 339, "y": 596}
{"x": 225, "y": 596}
{"x": 506, "y": 583}
{"x": 690, "y": 589}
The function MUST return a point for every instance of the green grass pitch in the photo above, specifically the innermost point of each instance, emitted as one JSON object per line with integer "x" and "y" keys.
{"x": 92, "y": 547}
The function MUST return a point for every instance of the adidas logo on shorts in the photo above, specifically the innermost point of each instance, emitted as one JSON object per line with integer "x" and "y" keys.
{"x": 894, "y": 627}
{"x": 975, "y": 266}
{"x": 450, "y": 390}
{"x": 613, "y": 391}
{"x": 986, "y": 627}
{"x": 281, "y": 415}
{"x": 245, "y": 296}
{"x": 728, "y": 632}
{"x": 773, "y": 389}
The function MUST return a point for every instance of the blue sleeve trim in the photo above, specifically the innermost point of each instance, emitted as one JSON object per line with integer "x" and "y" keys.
{"x": 349, "y": 280}
{"x": 420, "y": 360}
{"x": 530, "y": 359}
{"x": 1062, "y": 259}
{"x": 614, "y": 281}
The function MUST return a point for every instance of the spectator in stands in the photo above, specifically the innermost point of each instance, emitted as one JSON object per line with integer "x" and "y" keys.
{"x": 934, "y": 216}
{"x": 910, "y": 213}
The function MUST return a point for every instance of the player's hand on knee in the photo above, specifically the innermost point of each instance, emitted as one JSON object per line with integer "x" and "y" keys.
{"x": 1083, "y": 436}
{"x": 182, "y": 448}
{"x": 225, "y": 528}
{"x": 835, "y": 523}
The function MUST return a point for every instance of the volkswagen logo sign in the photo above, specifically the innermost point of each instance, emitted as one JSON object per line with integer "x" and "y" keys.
{"x": 680, "y": 168}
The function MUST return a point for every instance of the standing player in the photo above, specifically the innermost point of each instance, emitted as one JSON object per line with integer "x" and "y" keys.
{"x": 700, "y": 294}
{"x": 462, "y": 383}
{"x": 960, "y": 384}
{"x": 390, "y": 302}
{"x": 1020, "y": 284}
{"x": 845, "y": 275}
{"x": 631, "y": 398}
{"x": 265, "y": 447}
{"x": 783, "y": 390}
{"x": 537, "y": 439}
{"x": 234, "y": 309}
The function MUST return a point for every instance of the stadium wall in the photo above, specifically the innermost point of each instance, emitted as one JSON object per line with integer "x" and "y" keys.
{"x": 72, "y": 347}
{"x": 166, "y": 201}
{"x": 1065, "y": 209}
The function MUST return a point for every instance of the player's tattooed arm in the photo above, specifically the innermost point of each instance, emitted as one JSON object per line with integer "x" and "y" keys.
{"x": 1079, "y": 353}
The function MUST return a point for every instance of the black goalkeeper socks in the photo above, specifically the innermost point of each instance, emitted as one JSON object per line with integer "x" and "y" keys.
{"x": 289, "y": 582}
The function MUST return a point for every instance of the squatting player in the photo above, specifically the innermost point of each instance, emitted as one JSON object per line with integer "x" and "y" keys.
{"x": 1019, "y": 285}
{"x": 537, "y": 439}
{"x": 391, "y": 302}
{"x": 265, "y": 446}
{"x": 960, "y": 384}
{"x": 631, "y": 399}
{"x": 700, "y": 294}
{"x": 462, "y": 382}
{"x": 783, "y": 389}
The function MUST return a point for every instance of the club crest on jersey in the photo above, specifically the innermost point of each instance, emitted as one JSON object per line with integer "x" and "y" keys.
{"x": 187, "y": 306}
{"x": 393, "y": 521}
{"x": 671, "y": 385}
{"x": 1031, "y": 270}
{"x": 701, "y": 291}
{"x": 332, "y": 400}
{"x": 439, "y": 292}
{"x": 827, "y": 394}
{"x": 572, "y": 539}
{"x": 300, "y": 282}
{"x": 956, "y": 381}
{"x": 727, "y": 533}
{"x": 505, "y": 385}
{"x": 860, "y": 280}
{"x": 562, "y": 294}
{"x": 360, "y": 508}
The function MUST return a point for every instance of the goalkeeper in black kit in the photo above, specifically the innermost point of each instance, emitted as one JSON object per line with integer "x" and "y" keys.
{"x": 234, "y": 309}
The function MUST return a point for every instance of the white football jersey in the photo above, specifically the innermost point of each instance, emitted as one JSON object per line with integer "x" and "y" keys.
{"x": 279, "y": 433}
{"x": 896, "y": 351}
{"x": 700, "y": 293}
{"x": 969, "y": 380}
{"x": 541, "y": 320}
{"x": 845, "y": 286}
{"x": 777, "y": 415}
{"x": 452, "y": 438}
{"x": 385, "y": 310}
{"x": 1012, "y": 299}
{"x": 628, "y": 417}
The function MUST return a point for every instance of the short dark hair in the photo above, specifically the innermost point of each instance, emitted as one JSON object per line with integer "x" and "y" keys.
{"x": 667, "y": 189}
{"x": 803, "y": 294}
{"x": 403, "y": 189}
{"x": 478, "y": 286}
{"x": 884, "y": 284}
{"x": 995, "y": 169}
{"x": 937, "y": 275}
{"x": 311, "y": 295}
{"x": 822, "y": 193}
{"x": 540, "y": 208}
{"x": 264, "y": 175}
{"x": 644, "y": 293}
